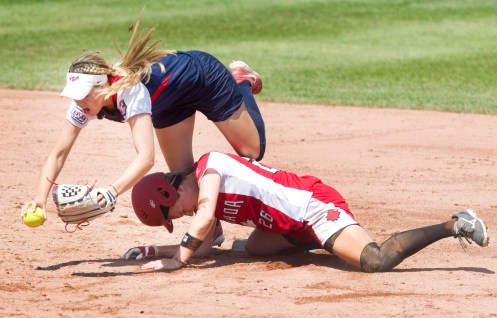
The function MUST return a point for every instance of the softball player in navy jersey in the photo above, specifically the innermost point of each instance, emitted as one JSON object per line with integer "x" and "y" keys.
{"x": 159, "y": 90}
{"x": 284, "y": 208}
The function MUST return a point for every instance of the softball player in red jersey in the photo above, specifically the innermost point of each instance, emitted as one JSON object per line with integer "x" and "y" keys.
{"x": 156, "y": 91}
{"x": 274, "y": 201}
{"x": 283, "y": 207}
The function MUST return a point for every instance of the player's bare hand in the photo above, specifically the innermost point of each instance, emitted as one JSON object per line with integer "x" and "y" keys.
{"x": 31, "y": 205}
{"x": 102, "y": 199}
{"x": 102, "y": 202}
{"x": 24, "y": 209}
{"x": 165, "y": 263}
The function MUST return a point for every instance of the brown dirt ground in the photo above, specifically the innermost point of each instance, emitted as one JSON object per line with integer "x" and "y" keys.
{"x": 398, "y": 170}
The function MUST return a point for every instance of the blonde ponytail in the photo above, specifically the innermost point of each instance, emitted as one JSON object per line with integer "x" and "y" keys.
{"x": 135, "y": 65}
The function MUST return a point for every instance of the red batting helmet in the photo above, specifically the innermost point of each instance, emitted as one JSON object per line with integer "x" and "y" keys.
{"x": 151, "y": 198}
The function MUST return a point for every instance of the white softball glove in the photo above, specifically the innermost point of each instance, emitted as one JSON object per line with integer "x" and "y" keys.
{"x": 77, "y": 204}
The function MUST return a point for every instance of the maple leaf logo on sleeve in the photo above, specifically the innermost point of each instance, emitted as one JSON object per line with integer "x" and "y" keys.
{"x": 333, "y": 215}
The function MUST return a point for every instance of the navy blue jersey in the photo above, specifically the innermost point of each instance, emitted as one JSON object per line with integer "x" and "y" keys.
{"x": 193, "y": 81}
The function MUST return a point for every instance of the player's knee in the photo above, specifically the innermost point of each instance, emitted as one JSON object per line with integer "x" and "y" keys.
{"x": 380, "y": 259}
{"x": 263, "y": 245}
{"x": 254, "y": 249}
{"x": 255, "y": 153}
{"x": 370, "y": 258}
{"x": 252, "y": 151}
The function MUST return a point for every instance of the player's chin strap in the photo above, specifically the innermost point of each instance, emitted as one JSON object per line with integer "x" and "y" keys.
{"x": 84, "y": 222}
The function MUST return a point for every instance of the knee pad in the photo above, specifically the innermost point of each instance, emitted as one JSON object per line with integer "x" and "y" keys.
{"x": 370, "y": 258}
{"x": 379, "y": 259}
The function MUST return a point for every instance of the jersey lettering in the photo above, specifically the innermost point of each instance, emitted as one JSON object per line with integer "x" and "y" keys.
{"x": 230, "y": 210}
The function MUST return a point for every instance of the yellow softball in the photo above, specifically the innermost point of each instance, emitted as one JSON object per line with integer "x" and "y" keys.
{"x": 34, "y": 218}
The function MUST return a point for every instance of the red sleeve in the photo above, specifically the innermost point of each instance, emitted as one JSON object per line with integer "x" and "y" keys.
{"x": 201, "y": 166}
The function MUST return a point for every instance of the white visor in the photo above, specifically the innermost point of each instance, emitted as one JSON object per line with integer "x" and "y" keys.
{"x": 79, "y": 85}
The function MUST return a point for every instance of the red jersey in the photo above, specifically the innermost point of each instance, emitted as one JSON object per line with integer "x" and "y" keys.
{"x": 255, "y": 195}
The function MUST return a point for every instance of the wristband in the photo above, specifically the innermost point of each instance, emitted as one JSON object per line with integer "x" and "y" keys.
{"x": 191, "y": 242}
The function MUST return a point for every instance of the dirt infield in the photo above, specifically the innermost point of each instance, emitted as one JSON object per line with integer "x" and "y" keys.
{"x": 398, "y": 170}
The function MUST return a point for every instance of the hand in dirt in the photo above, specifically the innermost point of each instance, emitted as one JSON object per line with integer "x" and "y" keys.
{"x": 165, "y": 263}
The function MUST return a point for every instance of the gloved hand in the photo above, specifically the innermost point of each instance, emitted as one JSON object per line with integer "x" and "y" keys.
{"x": 140, "y": 252}
{"x": 77, "y": 204}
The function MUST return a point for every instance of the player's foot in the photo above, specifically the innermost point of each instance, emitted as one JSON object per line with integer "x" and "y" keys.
{"x": 242, "y": 72}
{"x": 218, "y": 237}
{"x": 469, "y": 226}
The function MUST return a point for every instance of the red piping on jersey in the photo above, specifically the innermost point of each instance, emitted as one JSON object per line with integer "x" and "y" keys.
{"x": 161, "y": 87}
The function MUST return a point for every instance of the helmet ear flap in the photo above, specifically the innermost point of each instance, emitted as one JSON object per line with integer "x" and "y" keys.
{"x": 168, "y": 193}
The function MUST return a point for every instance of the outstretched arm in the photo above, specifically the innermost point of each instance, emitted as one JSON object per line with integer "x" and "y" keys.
{"x": 200, "y": 227}
{"x": 140, "y": 252}
{"x": 54, "y": 163}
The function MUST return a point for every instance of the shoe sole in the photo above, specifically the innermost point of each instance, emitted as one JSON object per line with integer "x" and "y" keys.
{"x": 242, "y": 64}
{"x": 237, "y": 64}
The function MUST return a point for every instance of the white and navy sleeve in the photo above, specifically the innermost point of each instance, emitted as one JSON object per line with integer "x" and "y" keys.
{"x": 76, "y": 116}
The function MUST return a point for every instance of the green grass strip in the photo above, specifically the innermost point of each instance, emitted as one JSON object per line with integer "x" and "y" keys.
{"x": 437, "y": 54}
